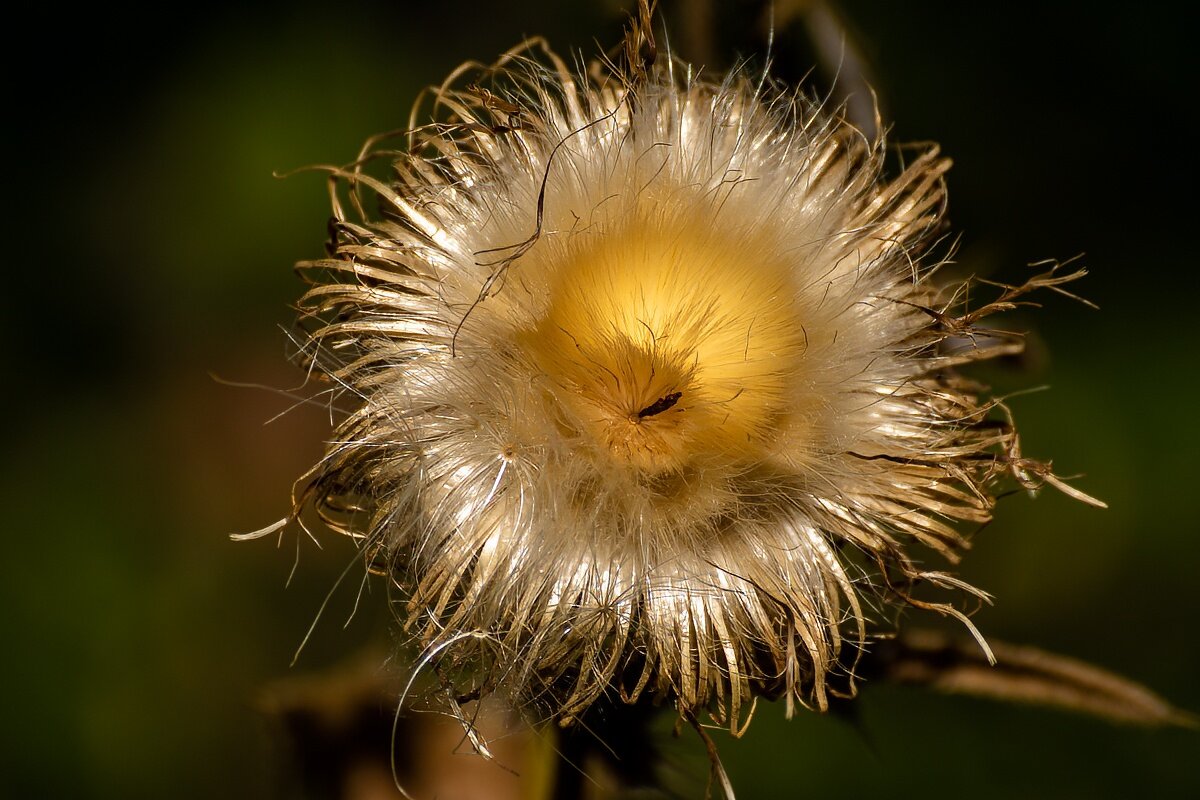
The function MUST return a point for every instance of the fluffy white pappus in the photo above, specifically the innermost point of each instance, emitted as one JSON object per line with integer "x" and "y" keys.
{"x": 653, "y": 396}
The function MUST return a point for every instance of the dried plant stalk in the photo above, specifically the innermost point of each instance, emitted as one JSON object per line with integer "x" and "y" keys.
{"x": 1022, "y": 674}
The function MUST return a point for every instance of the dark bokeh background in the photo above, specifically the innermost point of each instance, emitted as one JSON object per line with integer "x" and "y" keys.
{"x": 148, "y": 245}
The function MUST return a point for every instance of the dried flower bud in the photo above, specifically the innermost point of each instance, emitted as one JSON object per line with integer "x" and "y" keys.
{"x": 653, "y": 389}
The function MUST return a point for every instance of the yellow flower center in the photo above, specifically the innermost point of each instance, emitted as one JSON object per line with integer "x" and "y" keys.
{"x": 670, "y": 344}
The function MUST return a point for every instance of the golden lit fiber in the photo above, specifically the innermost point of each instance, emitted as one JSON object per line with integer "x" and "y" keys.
{"x": 669, "y": 346}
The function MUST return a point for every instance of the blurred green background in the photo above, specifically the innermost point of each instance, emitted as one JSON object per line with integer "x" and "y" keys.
{"x": 149, "y": 246}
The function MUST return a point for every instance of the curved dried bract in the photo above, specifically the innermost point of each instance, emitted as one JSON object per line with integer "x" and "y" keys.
{"x": 653, "y": 392}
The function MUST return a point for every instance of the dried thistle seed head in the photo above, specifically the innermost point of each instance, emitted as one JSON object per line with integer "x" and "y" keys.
{"x": 653, "y": 392}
